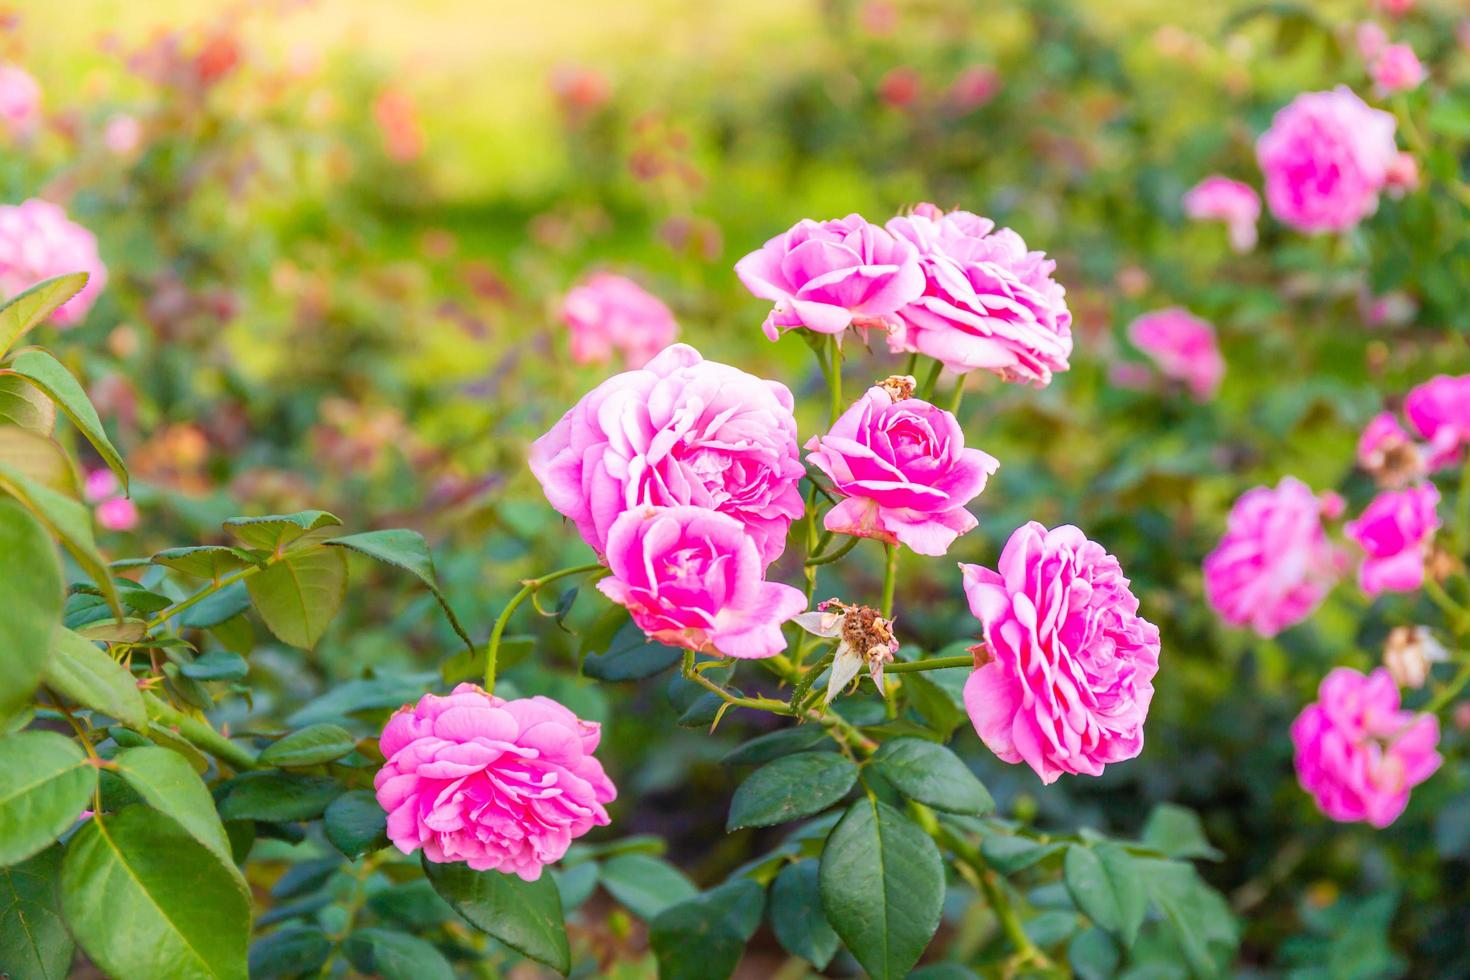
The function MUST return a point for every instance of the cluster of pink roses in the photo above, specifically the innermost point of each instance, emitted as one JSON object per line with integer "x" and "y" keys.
{"x": 950, "y": 286}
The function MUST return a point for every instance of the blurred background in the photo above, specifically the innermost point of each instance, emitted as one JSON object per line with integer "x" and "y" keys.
{"x": 338, "y": 233}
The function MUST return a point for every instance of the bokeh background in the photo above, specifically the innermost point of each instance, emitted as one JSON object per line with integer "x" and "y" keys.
{"x": 338, "y": 241}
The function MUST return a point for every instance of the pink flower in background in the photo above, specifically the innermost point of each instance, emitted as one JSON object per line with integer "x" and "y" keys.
{"x": 1371, "y": 39}
{"x": 1439, "y": 410}
{"x": 398, "y": 121}
{"x": 1396, "y": 8}
{"x": 123, "y": 134}
{"x": 1222, "y": 199}
{"x": 1325, "y": 158}
{"x": 902, "y": 471}
{"x": 113, "y": 510}
{"x": 1392, "y": 309}
{"x": 1070, "y": 668}
{"x": 1402, "y": 176}
{"x": 692, "y": 577}
{"x": 607, "y": 313}
{"x": 900, "y": 87}
{"x": 987, "y": 303}
{"x": 972, "y": 88}
{"x": 20, "y": 101}
{"x": 500, "y": 785}
{"x": 1395, "y": 532}
{"x": 831, "y": 275}
{"x": 1357, "y": 753}
{"x": 1274, "y": 564}
{"x": 38, "y": 241}
{"x": 1396, "y": 69}
{"x": 580, "y": 91}
{"x": 1184, "y": 348}
{"x": 681, "y": 430}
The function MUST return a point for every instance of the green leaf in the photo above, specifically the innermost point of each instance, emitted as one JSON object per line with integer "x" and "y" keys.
{"x": 165, "y": 781}
{"x": 363, "y": 694}
{"x": 1008, "y": 854}
{"x": 145, "y": 899}
{"x": 56, "y": 382}
{"x": 630, "y": 656}
{"x": 213, "y": 561}
{"x": 275, "y": 532}
{"x": 35, "y": 592}
{"x": 396, "y": 956}
{"x": 216, "y": 665}
{"x": 23, "y": 406}
{"x": 83, "y": 672}
{"x": 645, "y": 884}
{"x": 793, "y": 786}
{"x": 294, "y": 951}
{"x": 882, "y": 885}
{"x": 298, "y": 596}
{"x": 1093, "y": 955}
{"x": 937, "y": 705}
{"x": 575, "y": 884}
{"x": 703, "y": 938}
{"x": 309, "y": 746}
{"x": 67, "y": 521}
{"x": 356, "y": 824}
{"x": 524, "y": 915}
{"x": 797, "y": 919}
{"x": 218, "y": 608}
{"x": 931, "y": 774}
{"x": 1103, "y": 880}
{"x": 45, "y": 784}
{"x": 28, "y": 308}
{"x": 34, "y": 941}
{"x": 774, "y": 745}
{"x": 1198, "y": 917}
{"x": 1175, "y": 832}
{"x": 278, "y": 797}
{"x": 41, "y": 458}
{"x": 407, "y": 550}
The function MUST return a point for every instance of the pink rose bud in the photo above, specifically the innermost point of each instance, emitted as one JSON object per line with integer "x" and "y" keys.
{"x": 20, "y": 101}
{"x": 1439, "y": 410}
{"x": 1070, "y": 675}
{"x": 1325, "y": 159}
{"x": 902, "y": 471}
{"x": 681, "y": 430}
{"x": 830, "y": 275}
{"x": 607, "y": 313}
{"x": 500, "y": 785}
{"x": 1357, "y": 753}
{"x": 1395, "y": 532}
{"x": 1396, "y": 69}
{"x": 37, "y": 241}
{"x": 1184, "y": 348}
{"x": 1222, "y": 199}
{"x": 1274, "y": 564}
{"x": 692, "y": 577}
{"x": 987, "y": 304}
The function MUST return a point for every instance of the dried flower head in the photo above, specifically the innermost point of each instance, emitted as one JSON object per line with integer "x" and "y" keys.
{"x": 898, "y": 386}
{"x": 1409, "y": 652}
{"x": 865, "y": 639}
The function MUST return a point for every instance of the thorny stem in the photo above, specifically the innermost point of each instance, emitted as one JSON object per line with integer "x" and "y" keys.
{"x": 199, "y": 733}
{"x": 735, "y": 701}
{"x": 528, "y": 588}
{"x": 890, "y": 579}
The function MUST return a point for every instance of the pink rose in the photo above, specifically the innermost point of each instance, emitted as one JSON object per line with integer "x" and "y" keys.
{"x": 987, "y": 304}
{"x": 1071, "y": 668}
{"x": 20, "y": 101}
{"x": 681, "y": 430}
{"x": 1325, "y": 158}
{"x": 37, "y": 241}
{"x": 1396, "y": 68}
{"x": 607, "y": 313}
{"x": 122, "y": 135}
{"x": 500, "y": 785}
{"x": 1274, "y": 564}
{"x": 1357, "y": 753}
{"x": 113, "y": 510}
{"x": 903, "y": 472}
{"x": 831, "y": 275}
{"x": 1371, "y": 39}
{"x": 1439, "y": 409}
{"x": 1184, "y": 348}
{"x": 1394, "y": 532}
{"x": 692, "y": 577}
{"x": 1222, "y": 199}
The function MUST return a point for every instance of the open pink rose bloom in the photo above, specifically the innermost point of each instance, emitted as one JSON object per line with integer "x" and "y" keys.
{"x": 500, "y": 785}
{"x": 38, "y": 241}
{"x": 1394, "y": 532}
{"x": 608, "y": 314}
{"x": 1069, "y": 663}
{"x": 1184, "y": 348}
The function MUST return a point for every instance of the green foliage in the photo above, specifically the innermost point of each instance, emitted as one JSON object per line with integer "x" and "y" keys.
{"x": 789, "y": 788}
{"x": 705, "y": 936}
{"x": 33, "y": 585}
{"x": 525, "y": 915}
{"x": 45, "y": 783}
